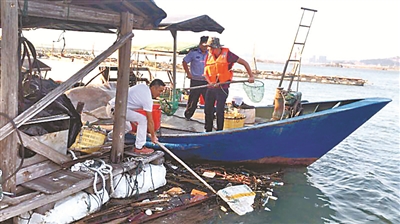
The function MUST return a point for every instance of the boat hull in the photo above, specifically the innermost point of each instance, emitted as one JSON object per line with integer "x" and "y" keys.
{"x": 294, "y": 141}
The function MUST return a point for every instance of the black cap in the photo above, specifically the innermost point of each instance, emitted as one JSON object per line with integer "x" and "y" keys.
{"x": 203, "y": 39}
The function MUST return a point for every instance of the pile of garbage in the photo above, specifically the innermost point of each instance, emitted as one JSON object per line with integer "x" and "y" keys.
{"x": 183, "y": 192}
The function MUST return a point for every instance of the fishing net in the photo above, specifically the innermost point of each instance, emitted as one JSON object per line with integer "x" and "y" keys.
{"x": 255, "y": 91}
{"x": 170, "y": 104}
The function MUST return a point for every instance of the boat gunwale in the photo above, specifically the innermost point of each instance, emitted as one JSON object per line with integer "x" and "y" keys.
{"x": 360, "y": 102}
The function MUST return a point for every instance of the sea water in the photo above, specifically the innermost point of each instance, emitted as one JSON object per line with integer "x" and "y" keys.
{"x": 358, "y": 181}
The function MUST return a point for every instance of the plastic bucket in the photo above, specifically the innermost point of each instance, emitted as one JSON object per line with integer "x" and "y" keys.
{"x": 201, "y": 100}
{"x": 232, "y": 121}
{"x": 156, "y": 117}
{"x": 238, "y": 100}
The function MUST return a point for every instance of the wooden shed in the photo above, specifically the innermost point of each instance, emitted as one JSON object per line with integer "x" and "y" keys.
{"x": 27, "y": 180}
{"x": 105, "y": 16}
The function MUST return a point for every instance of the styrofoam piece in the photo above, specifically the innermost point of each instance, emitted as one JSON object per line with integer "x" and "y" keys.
{"x": 151, "y": 174}
{"x": 148, "y": 212}
{"x": 250, "y": 115}
{"x": 67, "y": 210}
{"x": 240, "y": 198}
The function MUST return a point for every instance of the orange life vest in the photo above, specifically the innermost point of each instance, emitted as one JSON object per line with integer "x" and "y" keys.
{"x": 216, "y": 69}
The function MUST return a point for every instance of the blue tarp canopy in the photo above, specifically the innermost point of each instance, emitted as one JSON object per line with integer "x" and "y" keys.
{"x": 196, "y": 24}
{"x": 167, "y": 47}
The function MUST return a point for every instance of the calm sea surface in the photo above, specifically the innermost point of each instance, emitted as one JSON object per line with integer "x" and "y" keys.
{"x": 358, "y": 181}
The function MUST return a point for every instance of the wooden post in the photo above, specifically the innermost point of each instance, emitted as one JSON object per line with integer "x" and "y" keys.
{"x": 174, "y": 34}
{"x": 9, "y": 89}
{"x": 124, "y": 56}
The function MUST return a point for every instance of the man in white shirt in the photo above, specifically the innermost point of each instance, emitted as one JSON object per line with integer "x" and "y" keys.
{"x": 140, "y": 97}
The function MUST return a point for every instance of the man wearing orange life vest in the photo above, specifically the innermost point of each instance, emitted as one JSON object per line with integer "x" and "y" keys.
{"x": 218, "y": 71}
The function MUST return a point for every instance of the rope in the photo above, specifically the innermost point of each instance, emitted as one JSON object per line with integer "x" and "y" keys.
{"x": 99, "y": 171}
{"x": 151, "y": 175}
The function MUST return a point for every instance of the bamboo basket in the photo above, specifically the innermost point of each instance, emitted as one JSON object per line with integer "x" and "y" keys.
{"x": 233, "y": 120}
{"x": 89, "y": 140}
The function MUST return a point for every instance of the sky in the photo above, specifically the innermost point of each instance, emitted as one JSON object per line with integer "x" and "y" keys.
{"x": 265, "y": 29}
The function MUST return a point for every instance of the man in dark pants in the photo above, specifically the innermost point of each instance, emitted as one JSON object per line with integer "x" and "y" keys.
{"x": 218, "y": 71}
{"x": 196, "y": 59}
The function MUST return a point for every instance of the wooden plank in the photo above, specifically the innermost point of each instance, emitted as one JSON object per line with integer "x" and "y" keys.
{"x": 71, "y": 12}
{"x": 41, "y": 200}
{"x": 32, "y": 143}
{"x": 37, "y": 170}
{"x": 133, "y": 9}
{"x": 50, "y": 97}
{"x": 44, "y": 199}
{"x": 124, "y": 54}
{"x": 18, "y": 199}
{"x": 32, "y": 160}
{"x": 9, "y": 74}
{"x": 56, "y": 181}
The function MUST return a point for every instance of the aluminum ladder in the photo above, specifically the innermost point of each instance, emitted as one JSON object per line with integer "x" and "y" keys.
{"x": 299, "y": 43}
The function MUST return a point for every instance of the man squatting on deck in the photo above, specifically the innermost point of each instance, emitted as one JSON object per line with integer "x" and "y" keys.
{"x": 140, "y": 97}
{"x": 196, "y": 59}
{"x": 218, "y": 71}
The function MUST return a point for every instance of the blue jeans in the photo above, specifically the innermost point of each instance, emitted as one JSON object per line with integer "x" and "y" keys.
{"x": 219, "y": 95}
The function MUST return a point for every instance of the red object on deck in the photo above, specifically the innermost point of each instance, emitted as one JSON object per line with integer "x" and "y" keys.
{"x": 201, "y": 100}
{"x": 156, "y": 118}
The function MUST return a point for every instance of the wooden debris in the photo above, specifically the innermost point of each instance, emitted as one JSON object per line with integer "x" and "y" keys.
{"x": 172, "y": 198}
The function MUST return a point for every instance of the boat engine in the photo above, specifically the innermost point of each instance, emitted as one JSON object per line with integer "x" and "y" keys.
{"x": 287, "y": 104}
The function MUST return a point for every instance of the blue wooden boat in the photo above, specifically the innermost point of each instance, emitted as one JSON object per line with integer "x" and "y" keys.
{"x": 299, "y": 140}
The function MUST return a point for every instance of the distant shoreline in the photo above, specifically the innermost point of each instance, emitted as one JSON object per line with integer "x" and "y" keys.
{"x": 340, "y": 65}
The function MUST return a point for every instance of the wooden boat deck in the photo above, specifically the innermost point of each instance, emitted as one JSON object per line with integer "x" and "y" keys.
{"x": 177, "y": 124}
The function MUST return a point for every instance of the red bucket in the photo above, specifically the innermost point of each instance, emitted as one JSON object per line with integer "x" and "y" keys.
{"x": 202, "y": 103}
{"x": 156, "y": 118}
{"x": 201, "y": 100}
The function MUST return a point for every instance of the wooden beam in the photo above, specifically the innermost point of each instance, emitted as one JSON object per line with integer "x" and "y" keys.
{"x": 35, "y": 171}
{"x": 124, "y": 55}
{"x": 32, "y": 160}
{"x": 35, "y": 145}
{"x": 18, "y": 199}
{"x": 43, "y": 199}
{"x": 91, "y": 2}
{"x": 51, "y": 96}
{"x": 71, "y": 13}
{"x": 133, "y": 9}
{"x": 9, "y": 74}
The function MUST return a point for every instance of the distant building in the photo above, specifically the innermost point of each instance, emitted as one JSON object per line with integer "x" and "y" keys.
{"x": 318, "y": 59}
{"x": 313, "y": 59}
{"x": 322, "y": 59}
